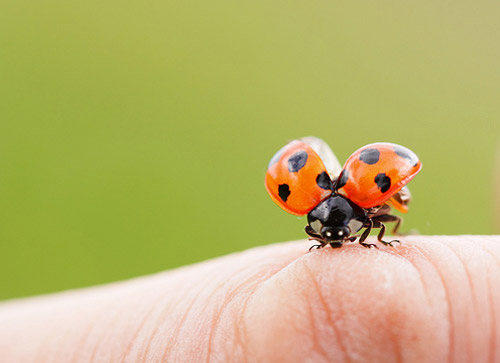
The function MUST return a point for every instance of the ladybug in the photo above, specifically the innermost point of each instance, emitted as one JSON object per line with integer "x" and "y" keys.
{"x": 305, "y": 177}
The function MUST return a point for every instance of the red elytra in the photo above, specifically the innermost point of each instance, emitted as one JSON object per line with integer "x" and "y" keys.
{"x": 291, "y": 178}
{"x": 375, "y": 172}
{"x": 371, "y": 176}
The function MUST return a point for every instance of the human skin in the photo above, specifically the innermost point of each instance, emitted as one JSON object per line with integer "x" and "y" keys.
{"x": 432, "y": 299}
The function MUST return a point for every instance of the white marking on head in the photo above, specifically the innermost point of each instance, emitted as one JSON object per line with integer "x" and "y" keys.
{"x": 355, "y": 225}
{"x": 328, "y": 234}
{"x": 340, "y": 233}
{"x": 316, "y": 225}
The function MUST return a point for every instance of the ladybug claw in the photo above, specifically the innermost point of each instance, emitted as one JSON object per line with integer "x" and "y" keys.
{"x": 390, "y": 243}
{"x": 315, "y": 246}
{"x": 368, "y": 245}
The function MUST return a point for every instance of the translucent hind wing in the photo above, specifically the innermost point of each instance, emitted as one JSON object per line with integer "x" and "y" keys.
{"x": 326, "y": 154}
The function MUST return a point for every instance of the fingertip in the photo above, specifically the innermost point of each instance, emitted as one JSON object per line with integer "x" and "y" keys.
{"x": 407, "y": 303}
{"x": 430, "y": 299}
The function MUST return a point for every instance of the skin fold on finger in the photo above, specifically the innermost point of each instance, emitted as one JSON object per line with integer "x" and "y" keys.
{"x": 432, "y": 299}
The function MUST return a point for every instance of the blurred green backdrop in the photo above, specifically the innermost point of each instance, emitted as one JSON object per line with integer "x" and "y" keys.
{"x": 134, "y": 136}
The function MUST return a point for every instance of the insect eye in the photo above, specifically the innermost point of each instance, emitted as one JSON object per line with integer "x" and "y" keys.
{"x": 335, "y": 233}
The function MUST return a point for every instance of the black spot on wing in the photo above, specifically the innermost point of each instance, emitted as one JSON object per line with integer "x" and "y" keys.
{"x": 342, "y": 180}
{"x": 406, "y": 154}
{"x": 369, "y": 156}
{"x": 297, "y": 161}
{"x": 284, "y": 192}
{"x": 323, "y": 180}
{"x": 383, "y": 182}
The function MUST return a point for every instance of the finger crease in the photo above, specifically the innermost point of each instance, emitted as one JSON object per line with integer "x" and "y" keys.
{"x": 451, "y": 340}
{"x": 328, "y": 313}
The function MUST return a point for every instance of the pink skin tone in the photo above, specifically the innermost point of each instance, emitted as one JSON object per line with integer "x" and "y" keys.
{"x": 433, "y": 299}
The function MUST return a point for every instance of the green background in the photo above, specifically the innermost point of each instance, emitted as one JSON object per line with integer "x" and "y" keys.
{"x": 134, "y": 136}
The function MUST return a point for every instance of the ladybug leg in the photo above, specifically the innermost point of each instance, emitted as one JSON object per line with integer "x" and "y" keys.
{"x": 314, "y": 237}
{"x": 353, "y": 238}
{"x": 321, "y": 245}
{"x": 365, "y": 235}
{"x": 395, "y": 229}
{"x": 381, "y": 235}
{"x": 311, "y": 232}
{"x": 388, "y": 218}
{"x": 318, "y": 246}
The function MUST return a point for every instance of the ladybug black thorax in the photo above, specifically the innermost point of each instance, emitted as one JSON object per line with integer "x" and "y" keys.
{"x": 335, "y": 218}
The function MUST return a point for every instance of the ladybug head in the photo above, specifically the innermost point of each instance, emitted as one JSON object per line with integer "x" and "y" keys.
{"x": 336, "y": 218}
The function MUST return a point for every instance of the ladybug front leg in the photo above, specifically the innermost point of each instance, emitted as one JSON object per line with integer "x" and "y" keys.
{"x": 316, "y": 247}
{"x": 308, "y": 229}
{"x": 380, "y": 225}
{"x": 365, "y": 235}
{"x": 389, "y": 218}
{"x": 313, "y": 236}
